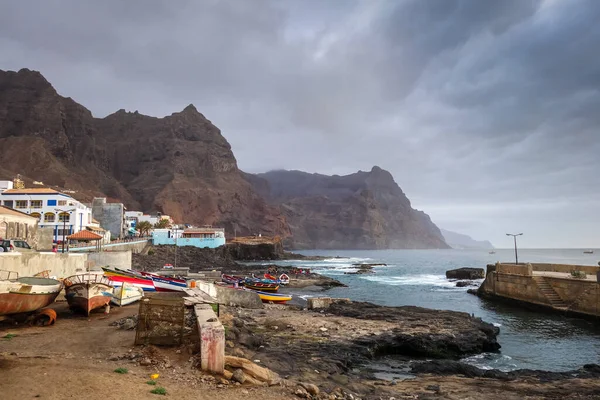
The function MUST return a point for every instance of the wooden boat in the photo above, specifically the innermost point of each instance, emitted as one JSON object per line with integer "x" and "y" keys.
{"x": 166, "y": 283}
{"x": 230, "y": 279}
{"x": 274, "y": 297}
{"x": 118, "y": 277}
{"x": 261, "y": 286}
{"x": 126, "y": 294}
{"x": 27, "y": 294}
{"x": 87, "y": 292}
{"x": 284, "y": 279}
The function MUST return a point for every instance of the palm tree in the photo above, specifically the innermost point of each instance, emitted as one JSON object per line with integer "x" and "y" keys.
{"x": 144, "y": 227}
{"x": 162, "y": 224}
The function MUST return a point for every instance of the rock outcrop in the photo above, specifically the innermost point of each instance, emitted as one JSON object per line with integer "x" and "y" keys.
{"x": 364, "y": 210}
{"x": 465, "y": 273}
{"x": 180, "y": 165}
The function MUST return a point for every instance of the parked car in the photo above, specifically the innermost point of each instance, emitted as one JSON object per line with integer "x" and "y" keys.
{"x": 14, "y": 245}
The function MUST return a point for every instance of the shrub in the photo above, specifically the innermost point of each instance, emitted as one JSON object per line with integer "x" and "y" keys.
{"x": 578, "y": 274}
{"x": 121, "y": 370}
{"x": 159, "y": 390}
{"x": 151, "y": 252}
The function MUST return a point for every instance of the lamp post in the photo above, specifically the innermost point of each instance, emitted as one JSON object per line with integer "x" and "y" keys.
{"x": 59, "y": 211}
{"x": 175, "y": 232}
{"x": 514, "y": 235}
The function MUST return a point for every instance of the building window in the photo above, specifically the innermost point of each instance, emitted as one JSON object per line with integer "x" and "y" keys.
{"x": 8, "y": 203}
{"x": 65, "y": 232}
{"x": 36, "y": 215}
{"x": 36, "y": 204}
{"x": 62, "y": 202}
{"x": 51, "y": 202}
{"x": 49, "y": 217}
{"x": 21, "y": 204}
{"x": 64, "y": 217}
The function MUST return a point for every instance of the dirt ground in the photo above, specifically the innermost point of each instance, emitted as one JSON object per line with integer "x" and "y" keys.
{"x": 72, "y": 359}
{"x": 76, "y": 358}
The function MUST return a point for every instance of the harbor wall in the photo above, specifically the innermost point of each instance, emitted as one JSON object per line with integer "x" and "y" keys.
{"x": 588, "y": 269}
{"x": 230, "y": 297}
{"x": 512, "y": 282}
{"x": 134, "y": 246}
{"x": 118, "y": 259}
{"x": 29, "y": 264}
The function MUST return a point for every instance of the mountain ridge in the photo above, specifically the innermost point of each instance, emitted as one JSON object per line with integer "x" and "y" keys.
{"x": 461, "y": 241}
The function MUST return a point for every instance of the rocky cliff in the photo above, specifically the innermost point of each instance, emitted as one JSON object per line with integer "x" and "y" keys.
{"x": 364, "y": 210}
{"x": 460, "y": 241}
{"x": 180, "y": 165}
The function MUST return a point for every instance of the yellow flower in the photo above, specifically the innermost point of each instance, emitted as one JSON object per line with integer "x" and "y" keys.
{"x": 154, "y": 376}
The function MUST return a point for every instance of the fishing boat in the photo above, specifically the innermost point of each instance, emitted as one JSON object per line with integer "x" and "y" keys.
{"x": 87, "y": 292}
{"x": 165, "y": 283}
{"x": 279, "y": 298}
{"x": 588, "y": 252}
{"x": 492, "y": 252}
{"x": 126, "y": 294}
{"x": 118, "y": 277}
{"x": 257, "y": 285}
{"x": 27, "y": 294}
{"x": 284, "y": 279}
{"x": 230, "y": 279}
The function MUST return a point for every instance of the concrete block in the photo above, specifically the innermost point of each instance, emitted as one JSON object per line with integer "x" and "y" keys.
{"x": 314, "y": 303}
{"x": 212, "y": 339}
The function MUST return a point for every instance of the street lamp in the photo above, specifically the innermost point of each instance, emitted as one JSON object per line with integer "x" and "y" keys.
{"x": 514, "y": 235}
{"x": 59, "y": 211}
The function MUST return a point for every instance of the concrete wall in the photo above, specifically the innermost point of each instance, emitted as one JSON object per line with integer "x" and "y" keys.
{"x": 513, "y": 269}
{"x": 135, "y": 247}
{"x": 579, "y": 295}
{"x": 44, "y": 238}
{"x": 111, "y": 216}
{"x": 29, "y": 264}
{"x": 588, "y": 269}
{"x": 231, "y": 297}
{"x": 118, "y": 259}
{"x": 212, "y": 339}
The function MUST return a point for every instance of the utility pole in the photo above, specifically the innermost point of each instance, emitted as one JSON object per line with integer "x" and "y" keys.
{"x": 64, "y": 223}
{"x": 514, "y": 235}
{"x": 175, "y": 231}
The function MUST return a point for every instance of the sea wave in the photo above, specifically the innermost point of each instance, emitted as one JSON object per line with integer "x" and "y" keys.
{"x": 413, "y": 280}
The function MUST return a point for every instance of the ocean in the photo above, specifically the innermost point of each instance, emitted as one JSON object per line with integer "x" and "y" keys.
{"x": 529, "y": 339}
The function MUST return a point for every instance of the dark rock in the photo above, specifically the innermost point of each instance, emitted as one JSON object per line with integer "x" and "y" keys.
{"x": 238, "y": 376}
{"x": 465, "y": 283}
{"x": 466, "y": 273}
{"x": 433, "y": 388}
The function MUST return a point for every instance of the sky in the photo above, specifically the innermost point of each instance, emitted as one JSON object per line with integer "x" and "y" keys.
{"x": 487, "y": 113}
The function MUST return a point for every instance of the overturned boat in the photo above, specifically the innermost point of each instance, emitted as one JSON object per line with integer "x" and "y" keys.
{"x": 26, "y": 294}
{"x": 87, "y": 292}
{"x": 118, "y": 277}
{"x": 126, "y": 294}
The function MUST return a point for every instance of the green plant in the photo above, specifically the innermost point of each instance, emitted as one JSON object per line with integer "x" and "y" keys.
{"x": 151, "y": 252}
{"x": 121, "y": 370}
{"x": 162, "y": 224}
{"x": 9, "y": 336}
{"x": 578, "y": 274}
{"x": 159, "y": 390}
{"x": 215, "y": 308}
{"x": 153, "y": 383}
{"x": 144, "y": 227}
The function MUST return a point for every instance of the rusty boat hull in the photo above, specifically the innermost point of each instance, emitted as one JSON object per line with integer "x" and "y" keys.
{"x": 87, "y": 292}
{"x": 28, "y": 294}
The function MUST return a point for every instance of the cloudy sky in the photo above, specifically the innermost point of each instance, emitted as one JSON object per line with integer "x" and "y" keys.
{"x": 487, "y": 113}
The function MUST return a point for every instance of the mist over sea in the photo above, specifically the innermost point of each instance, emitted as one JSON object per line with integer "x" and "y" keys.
{"x": 529, "y": 339}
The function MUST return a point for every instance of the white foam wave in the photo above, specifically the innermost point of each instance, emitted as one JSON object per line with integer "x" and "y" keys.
{"x": 497, "y": 325}
{"x": 413, "y": 280}
{"x": 354, "y": 260}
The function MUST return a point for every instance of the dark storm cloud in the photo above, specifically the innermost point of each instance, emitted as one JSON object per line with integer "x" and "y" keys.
{"x": 486, "y": 112}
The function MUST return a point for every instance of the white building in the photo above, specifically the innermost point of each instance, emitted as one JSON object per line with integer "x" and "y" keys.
{"x": 58, "y": 210}
{"x": 135, "y": 217}
{"x": 6, "y": 185}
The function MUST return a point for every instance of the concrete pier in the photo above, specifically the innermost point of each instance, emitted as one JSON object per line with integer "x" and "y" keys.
{"x": 548, "y": 285}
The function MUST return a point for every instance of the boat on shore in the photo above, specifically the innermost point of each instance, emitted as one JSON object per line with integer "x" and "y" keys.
{"x": 126, "y": 294}
{"x": 26, "y": 294}
{"x": 88, "y": 291}
{"x": 118, "y": 277}
{"x": 256, "y": 284}
{"x": 166, "y": 283}
{"x": 232, "y": 280}
{"x": 278, "y": 298}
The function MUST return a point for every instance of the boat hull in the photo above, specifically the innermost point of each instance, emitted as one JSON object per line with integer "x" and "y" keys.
{"x": 118, "y": 278}
{"x": 28, "y": 294}
{"x": 126, "y": 294}
{"x": 88, "y": 296}
{"x": 263, "y": 287}
{"x": 166, "y": 284}
{"x": 274, "y": 298}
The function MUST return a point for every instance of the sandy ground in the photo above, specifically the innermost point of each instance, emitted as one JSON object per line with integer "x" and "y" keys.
{"x": 72, "y": 360}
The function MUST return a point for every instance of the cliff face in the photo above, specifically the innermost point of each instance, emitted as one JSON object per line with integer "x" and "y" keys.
{"x": 364, "y": 210}
{"x": 180, "y": 165}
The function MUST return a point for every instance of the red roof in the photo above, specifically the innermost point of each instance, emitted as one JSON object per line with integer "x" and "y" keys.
{"x": 84, "y": 235}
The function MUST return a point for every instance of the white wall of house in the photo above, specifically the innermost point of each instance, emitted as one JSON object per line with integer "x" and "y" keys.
{"x": 56, "y": 210}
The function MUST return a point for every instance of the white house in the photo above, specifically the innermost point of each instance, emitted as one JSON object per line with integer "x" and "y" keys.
{"x": 65, "y": 214}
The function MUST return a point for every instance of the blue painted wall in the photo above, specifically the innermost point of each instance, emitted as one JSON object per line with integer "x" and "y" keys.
{"x": 163, "y": 239}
